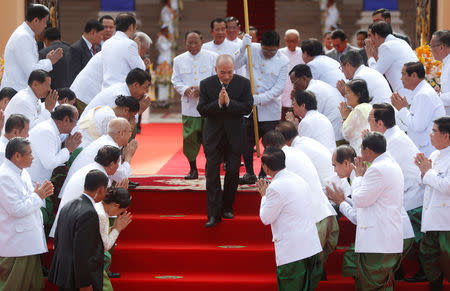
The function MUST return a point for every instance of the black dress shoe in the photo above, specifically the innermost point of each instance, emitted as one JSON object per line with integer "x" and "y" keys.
{"x": 418, "y": 277}
{"x": 135, "y": 184}
{"x": 212, "y": 221}
{"x": 113, "y": 275}
{"x": 247, "y": 179}
{"x": 228, "y": 215}
{"x": 193, "y": 174}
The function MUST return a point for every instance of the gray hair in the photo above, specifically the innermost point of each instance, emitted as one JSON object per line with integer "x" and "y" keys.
{"x": 292, "y": 31}
{"x": 144, "y": 39}
{"x": 117, "y": 125}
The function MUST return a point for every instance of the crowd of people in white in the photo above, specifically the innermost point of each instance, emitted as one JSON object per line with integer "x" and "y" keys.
{"x": 356, "y": 132}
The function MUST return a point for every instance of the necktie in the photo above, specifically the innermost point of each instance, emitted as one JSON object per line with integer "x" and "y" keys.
{"x": 94, "y": 51}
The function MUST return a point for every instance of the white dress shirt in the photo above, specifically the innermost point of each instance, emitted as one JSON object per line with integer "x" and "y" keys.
{"x": 378, "y": 87}
{"x": 326, "y": 69}
{"x": 88, "y": 82}
{"x": 225, "y": 48}
{"x": 328, "y": 100}
{"x": 392, "y": 55}
{"x": 21, "y": 223}
{"x": 436, "y": 204}
{"x": 317, "y": 126}
{"x": 21, "y": 58}
{"x": 3, "y": 142}
{"x": 73, "y": 188}
{"x": 404, "y": 151}
{"x": 295, "y": 58}
{"x": 269, "y": 76}
{"x": 299, "y": 163}
{"x": 95, "y": 124}
{"x": 164, "y": 47}
{"x": 320, "y": 157}
{"x": 356, "y": 122}
{"x": 426, "y": 106}
{"x": 189, "y": 70}
{"x": 119, "y": 56}
{"x": 46, "y": 146}
{"x": 287, "y": 207}
{"x": 107, "y": 97}
{"x": 26, "y": 103}
{"x": 88, "y": 154}
{"x": 108, "y": 237}
{"x": 445, "y": 84}
{"x": 378, "y": 197}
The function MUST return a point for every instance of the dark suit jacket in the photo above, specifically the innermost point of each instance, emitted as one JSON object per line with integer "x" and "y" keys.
{"x": 228, "y": 119}
{"x": 60, "y": 74}
{"x": 334, "y": 54}
{"x": 401, "y": 36}
{"x": 80, "y": 54}
{"x": 78, "y": 258}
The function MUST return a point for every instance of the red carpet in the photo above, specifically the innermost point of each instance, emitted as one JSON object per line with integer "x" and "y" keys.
{"x": 167, "y": 247}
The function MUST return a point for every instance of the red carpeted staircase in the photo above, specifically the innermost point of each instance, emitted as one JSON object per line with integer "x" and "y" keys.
{"x": 167, "y": 247}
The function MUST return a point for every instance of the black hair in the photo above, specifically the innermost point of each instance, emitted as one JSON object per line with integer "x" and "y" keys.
{"x": 359, "y": 88}
{"x": 353, "y": 58}
{"x": 415, "y": 67}
{"x": 15, "y": 121}
{"x": 312, "y": 47}
{"x": 273, "y": 138}
{"x": 274, "y": 158}
{"x": 52, "y": 33}
{"x": 345, "y": 152}
{"x": 270, "y": 38}
{"x": 374, "y": 141}
{"x": 7, "y": 92}
{"x": 62, "y": 111}
{"x": 384, "y": 112}
{"x": 232, "y": 18}
{"x": 124, "y": 20}
{"x": 338, "y": 34}
{"x": 287, "y": 129}
{"x": 106, "y": 17}
{"x": 443, "y": 124}
{"x": 120, "y": 196}
{"x": 384, "y": 13}
{"x": 93, "y": 24}
{"x": 66, "y": 93}
{"x": 253, "y": 28}
{"x": 326, "y": 33}
{"x": 36, "y": 10}
{"x": 39, "y": 76}
{"x": 94, "y": 180}
{"x": 306, "y": 97}
{"x": 107, "y": 154}
{"x": 363, "y": 32}
{"x": 443, "y": 36}
{"x": 381, "y": 28}
{"x": 129, "y": 102}
{"x": 193, "y": 31}
{"x": 16, "y": 145}
{"x": 217, "y": 20}
{"x": 137, "y": 75}
{"x": 301, "y": 70}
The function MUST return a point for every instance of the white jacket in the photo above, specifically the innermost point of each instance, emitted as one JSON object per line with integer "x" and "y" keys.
{"x": 326, "y": 69}
{"x": 88, "y": 82}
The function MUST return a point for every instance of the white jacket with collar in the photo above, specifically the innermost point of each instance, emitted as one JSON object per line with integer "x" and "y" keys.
{"x": 378, "y": 197}
{"x": 287, "y": 208}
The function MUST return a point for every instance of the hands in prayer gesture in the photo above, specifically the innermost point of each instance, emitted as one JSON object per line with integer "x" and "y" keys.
{"x": 423, "y": 163}
{"x": 371, "y": 50}
{"x": 44, "y": 190}
{"x": 144, "y": 103}
{"x": 291, "y": 118}
{"x": 73, "y": 141}
{"x": 336, "y": 195}
{"x": 398, "y": 101}
{"x": 262, "y": 185}
{"x": 129, "y": 150}
{"x": 50, "y": 100}
{"x": 224, "y": 99}
{"x": 359, "y": 166}
{"x": 345, "y": 111}
{"x": 55, "y": 55}
{"x": 122, "y": 221}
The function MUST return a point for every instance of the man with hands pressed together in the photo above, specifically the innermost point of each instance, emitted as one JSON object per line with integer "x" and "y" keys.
{"x": 224, "y": 100}
{"x": 435, "y": 244}
{"x": 21, "y": 226}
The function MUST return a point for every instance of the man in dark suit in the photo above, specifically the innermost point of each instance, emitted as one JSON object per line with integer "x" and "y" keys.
{"x": 83, "y": 50}
{"x": 383, "y": 14}
{"x": 78, "y": 260}
{"x": 60, "y": 73}
{"x": 341, "y": 46}
{"x": 224, "y": 99}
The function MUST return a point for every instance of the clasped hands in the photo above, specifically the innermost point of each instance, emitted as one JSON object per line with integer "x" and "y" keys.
{"x": 224, "y": 99}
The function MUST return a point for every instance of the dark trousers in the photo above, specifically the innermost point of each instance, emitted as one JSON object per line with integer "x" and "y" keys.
{"x": 263, "y": 128}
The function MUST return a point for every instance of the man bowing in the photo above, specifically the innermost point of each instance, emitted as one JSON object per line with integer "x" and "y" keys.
{"x": 224, "y": 99}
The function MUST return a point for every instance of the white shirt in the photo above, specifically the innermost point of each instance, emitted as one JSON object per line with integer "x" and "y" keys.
{"x": 436, "y": 204}
{"x": 119, "y": 56}
{"x": 46, "y": 146}
{"x": 326, "y": 69}
{"x": 377, "y": 85}
{"x": 310, "y": 124}
{"x": 287, "y": 207}
{"x": 426, "y": 106}
{"x": 189, "y": 70}
{"x": 101, "y": 117}
{"x": 73, "y": 188}
{"x": 355, "y": 124}
{"x": 26, "y": 103}
{"x": 269, "y": 76}
{"x": 3, "y": 142}
{"x": 299, "y": 163}
{"x": 378, "y": 197}
{"x": 225, "y": 48}
{"x": 108, "y": 237}
{"x": 21, "y": 58}
{"x": 164, "y": 47}
{"x": 445, "y": 83}
{"x": 392, "y": 55}
{"x": 88, "y": 82}
{"x": 107, "y": 97}
{"x": 320, "y": 157}
{"x": 328, "y": 100}
{"x": 404, "y": 151}
{"x": 295, "y": 58}
{"x": 21, "y": 223}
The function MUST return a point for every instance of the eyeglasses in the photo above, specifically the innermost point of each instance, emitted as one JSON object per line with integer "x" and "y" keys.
{"x": 432, "y": 46}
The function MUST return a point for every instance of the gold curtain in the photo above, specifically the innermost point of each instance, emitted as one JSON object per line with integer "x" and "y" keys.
{"x": 423, "y": 33}
{"x": 53, "y": 6}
